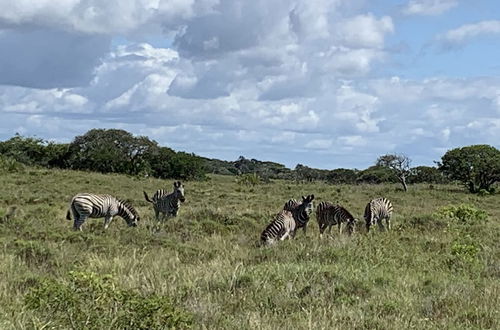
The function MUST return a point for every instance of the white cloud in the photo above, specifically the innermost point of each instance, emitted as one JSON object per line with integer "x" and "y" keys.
{"x": 293, "y": 82}
{"x": 365, "y": 31}
{"x": 428, "y": 7}
{"x": 464, "y": 33}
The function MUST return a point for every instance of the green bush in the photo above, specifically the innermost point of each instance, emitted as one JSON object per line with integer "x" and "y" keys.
{"x": 92, "y": 301}
{"x": 9, "y": 164}
{"x": 463, "y": 213}
{"x": 249, "y": 179}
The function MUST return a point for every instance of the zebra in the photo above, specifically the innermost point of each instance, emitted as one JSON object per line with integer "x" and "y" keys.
{"x": 285, "y": 222}
{"x": 376, "y": 211}
{"x": 328, "y": 215}
{"x": 301, "y": 222}
{"x": 167, "y": 203}
{"x": 85, "y": 206}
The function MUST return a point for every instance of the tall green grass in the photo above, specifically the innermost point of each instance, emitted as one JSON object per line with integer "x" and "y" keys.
{"x": 438, "y": 268}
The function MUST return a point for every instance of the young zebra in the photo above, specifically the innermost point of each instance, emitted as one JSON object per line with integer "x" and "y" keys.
{"x": 285, "y": 222}
{"x": 328, "y": 215}
{"x": 85, "y": 206}
{"x": 167, "y": 203}
{"x": 291, "y": 205}
{"x": 376, "y": 211}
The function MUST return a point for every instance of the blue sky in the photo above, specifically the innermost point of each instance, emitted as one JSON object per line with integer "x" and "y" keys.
{"x": 326, "y": 84}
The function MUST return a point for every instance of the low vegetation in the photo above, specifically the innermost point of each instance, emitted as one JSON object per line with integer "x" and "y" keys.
{"x": 438, "y": 268}
{"x": 118, "y": 151}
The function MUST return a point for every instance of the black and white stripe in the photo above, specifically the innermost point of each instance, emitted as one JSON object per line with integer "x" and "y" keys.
{"x": 85, "y": 206}
{"x": 285, "y": 222}
{"x": 328, "y": 215}
{"x": 301, "y": 222}
{"x": 378, "y": 210}
{"x": 167, "y": 203}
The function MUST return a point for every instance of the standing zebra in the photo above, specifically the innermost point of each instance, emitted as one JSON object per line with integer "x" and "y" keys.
{"x": 328, "y": 215}
{"x": 376, "y": 211}
{"x": 285, "y": 222}
{"x": 167, "y": 203}
{"x": 85, "y": 206}
{"x": 291, "y": 205}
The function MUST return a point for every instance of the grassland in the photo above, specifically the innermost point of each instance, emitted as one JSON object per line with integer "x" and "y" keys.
{"x": 427, "y": 273}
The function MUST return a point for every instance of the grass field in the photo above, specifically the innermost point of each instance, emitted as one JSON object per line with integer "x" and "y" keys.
{"x": 204, "y": 269}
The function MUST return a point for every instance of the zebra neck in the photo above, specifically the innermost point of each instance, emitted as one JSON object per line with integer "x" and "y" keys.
{"x": 123, "y": 211}
{"x": 302, "y": 215}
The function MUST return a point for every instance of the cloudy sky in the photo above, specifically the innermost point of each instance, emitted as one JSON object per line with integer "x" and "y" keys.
{"x": 325, "y": 83}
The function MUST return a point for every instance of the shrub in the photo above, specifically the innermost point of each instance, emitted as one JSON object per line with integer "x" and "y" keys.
{"x": 8, "y": 164}
{"x": 250, "y": 179}
{"x": 91, "y": 301}
{"x": 463, "y": 213}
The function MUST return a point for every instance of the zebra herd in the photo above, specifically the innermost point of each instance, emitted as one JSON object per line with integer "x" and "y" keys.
{"x": 294, "y": 215}
{"x": 85, "y": 206}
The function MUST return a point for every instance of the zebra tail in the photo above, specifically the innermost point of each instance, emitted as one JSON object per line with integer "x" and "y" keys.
{"x": 146, "y": 197}
{"x": 68, "y": 215}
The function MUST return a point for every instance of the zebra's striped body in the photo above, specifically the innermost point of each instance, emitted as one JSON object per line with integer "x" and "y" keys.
{"x": 300, "y": 222}
{"x": 378, "y": 210}
{"x": 167, "y": 203}
{"x": 329, "y": 215}
{"x": 85, "y": 206}
{"x": 285, "y": 222}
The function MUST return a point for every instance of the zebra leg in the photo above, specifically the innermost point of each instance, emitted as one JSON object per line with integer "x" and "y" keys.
{"x": 305, "y": 227}
{"x": 380, "y": 224}
{"x": 340, "y": 228}
{"x": 285, "y": 235}
{"x": 157, "y": 214}
{"x": 388, "y": 223}
{"x": 107, "y": 221}
{"x": 322, "y": 228}
{"x": 78, "y": 222}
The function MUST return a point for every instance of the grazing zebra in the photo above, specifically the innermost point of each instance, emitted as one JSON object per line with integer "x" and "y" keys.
{"x": 285, "y": 222}
{"x": 85, "y": 206}
{"x": 167, "y": 203}
{"x": 291, "y": 205}
{"x": 376, "y": 211}
{"x": 328, "y": 215}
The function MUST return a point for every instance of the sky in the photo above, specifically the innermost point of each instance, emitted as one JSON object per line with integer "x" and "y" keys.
{"x": 326, "y": 84}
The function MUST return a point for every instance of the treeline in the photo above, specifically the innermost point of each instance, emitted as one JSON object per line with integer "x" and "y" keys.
{"x": 106, "y": 151}
{"x": 118, "y": 151}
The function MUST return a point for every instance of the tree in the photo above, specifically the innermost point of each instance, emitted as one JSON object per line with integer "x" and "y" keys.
{"x": 426, "y": 174}
{"x": 399, "y": 165}
{"x": 476, "y": 166}
{"x": 111, "y": 150}
{"x": 376, "y": 174}
{"x": 341, "y": 176}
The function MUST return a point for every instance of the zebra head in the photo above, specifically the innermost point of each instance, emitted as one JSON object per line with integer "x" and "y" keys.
{"x": 179, "y": 191}
{"x": 351, "y": 225}
{"x": 307, "y": 204}
{"x": 130, "y": 214}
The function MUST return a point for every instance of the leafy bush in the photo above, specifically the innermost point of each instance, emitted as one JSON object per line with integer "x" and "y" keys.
{"x": 9, "y": 164}
{"x": 250, "y": 179}
{"x": 463, "y": 213}
{"x": 92, "y": 301}
{"x": 466, "y": 251}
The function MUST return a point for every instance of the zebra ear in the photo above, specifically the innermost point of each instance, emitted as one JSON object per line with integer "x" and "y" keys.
{"x": 303, "y": 198}
{"x": 175, "y": 184}
{"x": 311, "y": 197}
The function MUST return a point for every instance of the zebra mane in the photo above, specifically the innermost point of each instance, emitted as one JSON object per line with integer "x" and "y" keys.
{"x": 345, "y": 212}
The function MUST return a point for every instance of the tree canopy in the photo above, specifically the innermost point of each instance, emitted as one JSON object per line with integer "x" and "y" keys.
{"x": 476, "y": 166}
